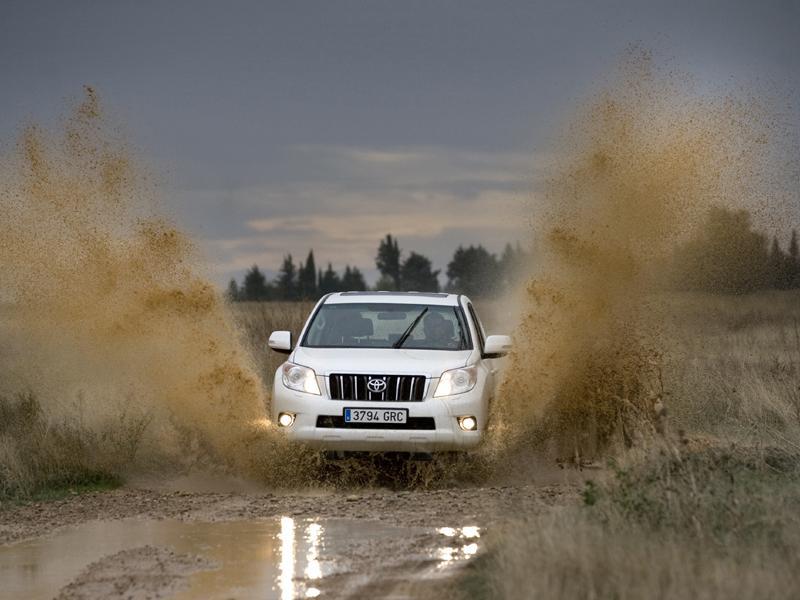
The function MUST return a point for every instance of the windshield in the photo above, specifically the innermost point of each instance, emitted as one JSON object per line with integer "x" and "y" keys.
{"x": 382, "y": 325}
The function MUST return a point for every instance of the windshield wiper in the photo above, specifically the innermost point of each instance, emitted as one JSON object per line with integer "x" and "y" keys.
{"x": 402, "y": 339}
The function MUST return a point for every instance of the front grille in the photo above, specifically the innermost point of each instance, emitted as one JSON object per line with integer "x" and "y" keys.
{"x": 399, "y": 388}
{"x": 338, "y": 422}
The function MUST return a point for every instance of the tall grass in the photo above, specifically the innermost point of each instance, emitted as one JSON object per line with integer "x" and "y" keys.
{"x": 44, "y": 449}
{"x": 708, "y": 508}
{"x": 41, "y": 455}
{"x": 259, "y": 319}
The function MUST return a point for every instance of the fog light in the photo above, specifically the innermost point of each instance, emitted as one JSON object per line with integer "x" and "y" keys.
{"x": 468, "y": 423}
{"x": 285, "y": 419}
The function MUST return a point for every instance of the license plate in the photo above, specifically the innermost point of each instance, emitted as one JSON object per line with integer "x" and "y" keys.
{"x": 375, "y": 415}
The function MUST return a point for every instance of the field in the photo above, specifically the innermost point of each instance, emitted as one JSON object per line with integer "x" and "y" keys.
{"x": 703, "y": 503}
{"x": 706, "y": 507}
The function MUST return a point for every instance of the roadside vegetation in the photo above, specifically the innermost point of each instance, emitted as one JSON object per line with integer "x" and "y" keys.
{"x": 705, "y": 507}
{"x": 42, "y": 458}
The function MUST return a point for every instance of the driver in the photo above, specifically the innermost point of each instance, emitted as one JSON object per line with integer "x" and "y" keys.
{"x": 438, "y": 330}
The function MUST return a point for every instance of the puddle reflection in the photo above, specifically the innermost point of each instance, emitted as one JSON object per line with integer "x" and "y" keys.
{"x": 281, "y": 558}
{"x": 465, "y": 549}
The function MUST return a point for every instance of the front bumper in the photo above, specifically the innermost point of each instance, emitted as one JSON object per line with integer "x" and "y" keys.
{"x": 446, "y": 435}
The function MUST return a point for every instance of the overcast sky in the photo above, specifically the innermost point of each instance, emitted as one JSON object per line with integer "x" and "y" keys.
{"x": 280, "y": 126}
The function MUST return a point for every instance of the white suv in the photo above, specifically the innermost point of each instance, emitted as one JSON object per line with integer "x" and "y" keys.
{"x": 386, "y": 372}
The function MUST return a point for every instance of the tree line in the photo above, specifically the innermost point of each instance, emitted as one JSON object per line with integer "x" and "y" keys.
{"x": 295, "y": 282}
{"x": 726, "y": 255}
{"x": 473, "y": 270}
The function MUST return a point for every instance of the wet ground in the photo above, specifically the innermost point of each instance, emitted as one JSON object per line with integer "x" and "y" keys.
{"x": 140, "y": 543}
{"x": 281, "y": 557}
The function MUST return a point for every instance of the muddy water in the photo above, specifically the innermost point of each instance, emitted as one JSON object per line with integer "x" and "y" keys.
{"x": 271, "y": 558}
{"x": 633, "y": 174}
{"x": 107, "y": 315}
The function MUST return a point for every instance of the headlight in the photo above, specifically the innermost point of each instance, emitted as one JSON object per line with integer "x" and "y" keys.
{"x": 456, "y": 381}
{"x": 299, "y": 378}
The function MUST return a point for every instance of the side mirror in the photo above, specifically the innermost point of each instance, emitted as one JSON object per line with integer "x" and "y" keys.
{"x": 496, "y": 346}
{"x": 281, "y": 341}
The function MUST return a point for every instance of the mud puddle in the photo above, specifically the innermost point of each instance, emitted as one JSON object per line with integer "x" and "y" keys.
{"x": 281, "y": 557}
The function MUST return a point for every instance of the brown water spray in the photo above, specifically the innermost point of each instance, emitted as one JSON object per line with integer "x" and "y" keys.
{"x": 637, "y": 168}
{"x": 104, "y": 310}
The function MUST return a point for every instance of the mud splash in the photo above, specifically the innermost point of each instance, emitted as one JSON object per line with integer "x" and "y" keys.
{"x": 636, "y": 170}
{"x": 104, "y": 311}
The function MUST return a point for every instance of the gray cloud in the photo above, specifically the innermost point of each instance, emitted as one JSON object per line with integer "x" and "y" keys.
{"x": 423, "y": 196}
{"x": 279, "y": 126}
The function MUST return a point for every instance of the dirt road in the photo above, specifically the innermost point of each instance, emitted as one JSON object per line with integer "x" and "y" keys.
{"x": 157, "y": 543}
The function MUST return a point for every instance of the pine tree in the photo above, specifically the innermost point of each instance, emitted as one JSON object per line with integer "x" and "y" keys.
{"x": 473, "y": 271}
{"x": 388, "y": 262}
{"x": 358, "y": 283}
{"x": 417, "y": 274}
{"x": 233, "y": 291}
{"x": 307, "y": 278}
{"x": 794, "y": 261}
{"x": 255, "y": 286}
{"x": 512, "y": 263}
{"x": 329, "y": 281}
{"x": 726, "y": 255}
{"x": 353, "y": 280}
{"x": 346, "y": 277}
{"x": 287, "y": 280}
{"x": 776, "y": 262}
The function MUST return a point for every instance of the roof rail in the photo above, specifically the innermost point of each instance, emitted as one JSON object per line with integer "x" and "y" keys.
{"x": 386, "y": 292}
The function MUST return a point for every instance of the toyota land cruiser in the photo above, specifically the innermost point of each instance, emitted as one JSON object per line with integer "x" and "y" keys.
{"x": 386, "y": 372}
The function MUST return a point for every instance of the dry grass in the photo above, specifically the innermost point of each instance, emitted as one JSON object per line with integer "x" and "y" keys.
{"x": 565, "y": 554}
{"x": 707, "y": 510}
{"x": 735, "y": 371}
{"x": 258, "y": 320}
{"x": 40, "y": 456}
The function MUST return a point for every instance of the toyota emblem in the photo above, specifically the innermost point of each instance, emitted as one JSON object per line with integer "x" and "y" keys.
{"x": 376, "y": 385}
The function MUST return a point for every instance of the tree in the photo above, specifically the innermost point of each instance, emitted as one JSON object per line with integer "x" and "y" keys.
{"x": 725, "y": 256}
{"x": 307, "y": 278}
{"x": 385, "y": 284}
{"x": 287, "y": 280}
{"x": 512, "y": 263}
{"x": 778, "y": 262}
{"x": 255, "y": 286}
{"x": 329, "y": 281}
{"x": 416, "y": 274}
{"x": 233, "y": 291}
{"x": 388, "y": 262}
{"x": 353, "y": 280}
{"x": 473, "y": 271}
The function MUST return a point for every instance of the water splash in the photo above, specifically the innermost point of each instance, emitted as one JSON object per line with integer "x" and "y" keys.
{"x": 635, "y": 171}
{"x": 104, "y": 307}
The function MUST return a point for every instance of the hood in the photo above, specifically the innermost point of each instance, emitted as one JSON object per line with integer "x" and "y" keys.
{"x": 380, "y": 361}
